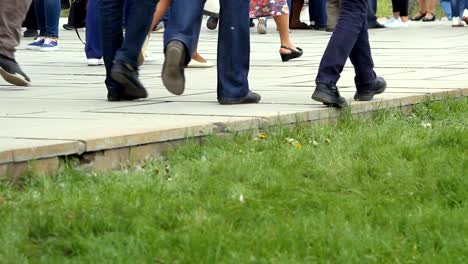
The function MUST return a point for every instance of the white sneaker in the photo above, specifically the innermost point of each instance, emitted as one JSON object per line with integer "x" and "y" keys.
{"x": 95, "y": 62}
{"x": 398, "y": 23}
{"x": 457, "y": 22}
{"x": 261, "y": 28}
{"x": 197, "y": 64}
{"x": 465, "y": 15}
{"x": 390, "y": 20}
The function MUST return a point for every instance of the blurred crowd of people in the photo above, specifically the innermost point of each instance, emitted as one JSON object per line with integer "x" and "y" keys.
{"x": 123, "y": 51}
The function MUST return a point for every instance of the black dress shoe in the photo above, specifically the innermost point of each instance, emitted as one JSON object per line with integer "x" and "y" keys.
{"x": 12, "y": 73}
{"x": 118, "y": 97}
{"x": 250, "y": 98}
{"x": 30, "y": 33}
{"x": 329, "y": 95}
{"x": 379, "y": 87}
{"x": 173, "y": 76}
{"x": 127, "y": 76}
{"x": 68, "y": 27}
{"x": 377, "y": 25}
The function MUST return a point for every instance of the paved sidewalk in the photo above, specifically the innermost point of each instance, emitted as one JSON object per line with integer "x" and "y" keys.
{"x": 65, "y": 112}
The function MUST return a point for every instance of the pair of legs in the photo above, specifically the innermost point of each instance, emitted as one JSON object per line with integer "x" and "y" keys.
{"x": 121, "y": 53}
{"x": 317, "y": 14}
{"x": 400, "y": 9}
{"x": 349, "y": 40}
{"x": 426, "y": 11}
{"x": 233, "y": 48}
{"x": 48, "y": 15}
{"x": 12, "y": 14}
{"x": 458, "y": 7}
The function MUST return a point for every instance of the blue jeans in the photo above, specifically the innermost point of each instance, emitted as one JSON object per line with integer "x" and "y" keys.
{"x": 447, "y": 7}
{"x": 93, "y": 46}
{"x": 138, "y": 17}
{"x": 318, "y": 12}
{"x": 371, "y": 11}
{"x": 233, "y": 41}
{"x": 349, "y": 40}
{"x": 457, "y": 7}
{"x": 48, "y": 15}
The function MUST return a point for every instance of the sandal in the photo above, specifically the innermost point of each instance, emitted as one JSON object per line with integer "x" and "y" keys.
{"x": 295, "y": 53}
{"x": 433, "y": 18}
{"x": 302, "y": 25}
{"x": 418, "y": 16}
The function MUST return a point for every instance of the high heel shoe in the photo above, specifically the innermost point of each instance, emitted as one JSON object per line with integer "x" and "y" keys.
{"x": 418, "y": 17}
{"x": 433, "y": 18}
{"x": 295, "y": 53}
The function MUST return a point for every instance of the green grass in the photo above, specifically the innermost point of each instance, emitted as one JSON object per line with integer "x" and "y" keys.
{"x": 387, "y": 189}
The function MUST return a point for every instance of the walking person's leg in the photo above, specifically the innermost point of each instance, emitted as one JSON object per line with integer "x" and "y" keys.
{"x": 12, "y": 14}
{"x": 51, "y": 23}
{"x": 30, "y": 23}
{"x": 180, "y": 42}
{"x": 234, "y": 54}
{"x": 139, "y": 14}
{"x": 350, "y": 32}
{"x": 93, "y": 48}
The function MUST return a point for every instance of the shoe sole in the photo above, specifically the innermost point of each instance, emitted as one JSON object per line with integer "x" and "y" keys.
{"x": 369, "y": 97}
{"x": 15, "y": 79}
{"x": 327, "y": 99}
{"x": 33, "y": 47}
{"x": 171, "y": 75}
{"x": 48, "y": 49}
{"x": 130, "y": 88}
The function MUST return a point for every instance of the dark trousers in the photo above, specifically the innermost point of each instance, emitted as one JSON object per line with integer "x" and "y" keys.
{"x": 93, "y": 46}
{"x": 233, "y": 41}
{"x": 400, "y": 6}
{"x": 139, "y": 14}
{"x": 349, "y": 40}
{"x": 30, "y": 22}
{"x": 318, "y": 12}
{"x": 371, "y": 12}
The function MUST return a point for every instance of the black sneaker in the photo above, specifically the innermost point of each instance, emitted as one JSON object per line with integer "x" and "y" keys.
{"x": 250, "y": 98}
{"x": 30, "y": 33}
{"x": 127, "y": 76}
{"x": 12, "y": 73}
{"x": 173, "y": 76}
{"x": 379, "y": 87}
{"x": 329, "y": 95}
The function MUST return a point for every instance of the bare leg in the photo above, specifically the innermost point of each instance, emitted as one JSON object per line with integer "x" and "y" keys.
{"x": 282, "y": 22}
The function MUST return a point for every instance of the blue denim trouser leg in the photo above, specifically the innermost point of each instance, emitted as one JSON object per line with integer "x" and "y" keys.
{"x": 48, "y": 15}
{"x": 318, "y": 12}
{"x": 349, "y": 40}
{"x": 447, "y": 7}
{"x": 457, "y": 7}
{"x": 93, "y": 46}
{"x": 138, "y": 15}
{"x": 371, "y": 13}
{"x": 233, "y": 41}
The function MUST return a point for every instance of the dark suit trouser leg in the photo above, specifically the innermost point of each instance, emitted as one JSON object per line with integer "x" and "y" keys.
{"x": 233, "y": 49}
{"x": 93, "y": 47}
{"x": 349, "y": 39}
{"x": 361, "y": 58}
{"x": 183, "y": 24}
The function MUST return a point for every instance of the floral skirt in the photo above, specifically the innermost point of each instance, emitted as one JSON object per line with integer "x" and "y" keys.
{"x": 266, "y": 8}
